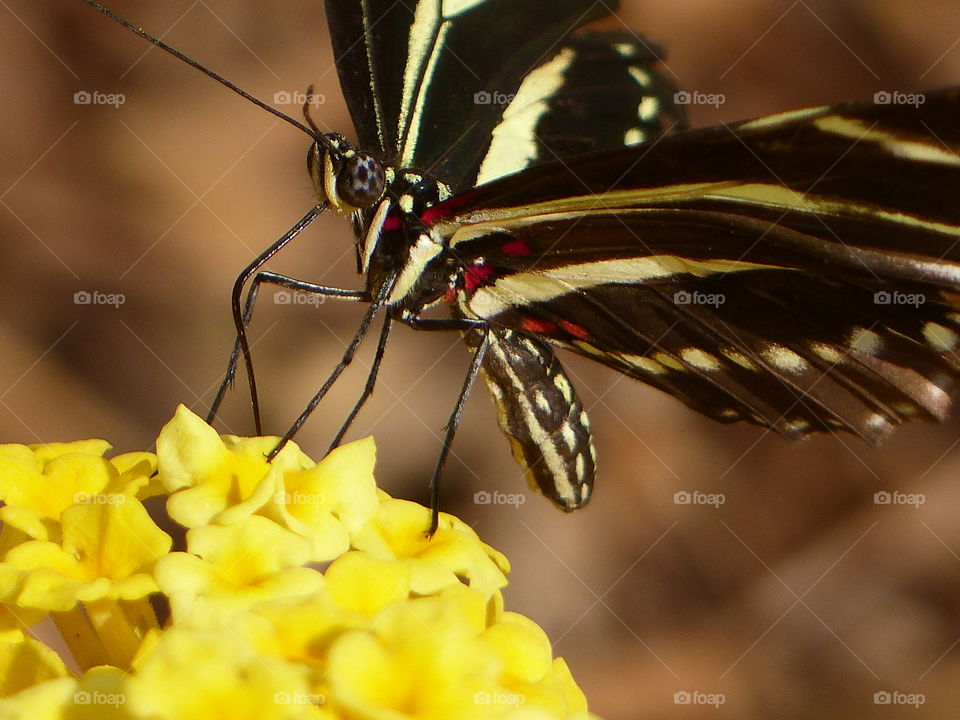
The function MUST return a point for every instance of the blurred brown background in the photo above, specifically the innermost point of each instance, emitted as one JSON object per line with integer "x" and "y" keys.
{"x": 799, "y": 597}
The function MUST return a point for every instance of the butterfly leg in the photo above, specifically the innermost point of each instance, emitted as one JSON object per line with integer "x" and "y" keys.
{"x": 270, "y": 278}
{"x": 241, "y": 317}
{"x": 375, "y": 305}
{"x": 371, "y": 382}
{"x": 451, "y": 430}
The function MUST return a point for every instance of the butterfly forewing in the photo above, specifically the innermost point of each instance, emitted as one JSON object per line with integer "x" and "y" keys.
{"x": 426, "y": 82}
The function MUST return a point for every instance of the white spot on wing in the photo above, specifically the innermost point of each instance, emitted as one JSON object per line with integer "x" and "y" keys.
{"x": 668, "y": 361}
{"x": 738, "y": 358}
{"x": 634, "y": 136}
{"x": 940, "y": 338}
{"x": 700, "y": 359}
{"x": 783, "y": 358}
{"x": 826, "y": 352}
{"x": 648, "y": 109}
{"x": 865, "y": 341}
{"x": 641, "y": 76}
{"x": 644, "y": 363}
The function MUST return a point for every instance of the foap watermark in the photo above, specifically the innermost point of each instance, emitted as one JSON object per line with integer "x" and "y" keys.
{"x": 85, "y": 498}
{"x": 95, "y": 97}
{"x": 287, "y": 297}
{"x": 498, "y": 698}
{"x": 282, "y": 697}
{"x": 686, "y": 697}
{"x": 886, "y": 97}
{"x": 95, "y": 297}
{"x": 895, "y": 697}
{"x": 493, "y": 98}
{"x": 96, "y": 697}
{"x": 683, "y": 297}
{"x": 298, "y": 98}
{"x": 482, "y": 497}
{"x": 298, "y": 498}
{"x": 885, "y": 497}
{"x": 884, "y": 297}
{"x": 684, "y": 497}
{"x": 682, "y": 97}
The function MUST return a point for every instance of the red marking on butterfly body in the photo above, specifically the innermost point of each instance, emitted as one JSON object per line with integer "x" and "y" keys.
{"x": 477, "y": 275}
{"x": 445, "y": 209}
{"x": 537, "y": 326}
{"x": 515, "y": 247}
{"x": 576, "y": 330}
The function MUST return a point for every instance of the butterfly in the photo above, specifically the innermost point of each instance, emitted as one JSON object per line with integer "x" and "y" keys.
{"x": 800, "y": 272}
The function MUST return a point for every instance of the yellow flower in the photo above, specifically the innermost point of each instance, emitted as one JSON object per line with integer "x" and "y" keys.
{"x": 232, "y": 567}
{"x": 39, "y": 482}
{"x": 107, "y": 551}
{"x": 216, "y": 480}
{"x": 396, "y": 533}
{"x": 206, "y": 674}
{"x": 25, "y": 661}
{"x": 243, "y": 623}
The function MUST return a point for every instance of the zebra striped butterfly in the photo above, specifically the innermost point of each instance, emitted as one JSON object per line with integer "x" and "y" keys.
{"x": 799, "y": 272}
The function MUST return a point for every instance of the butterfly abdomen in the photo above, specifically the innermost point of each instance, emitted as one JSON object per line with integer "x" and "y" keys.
{"x": 539, "y": 412}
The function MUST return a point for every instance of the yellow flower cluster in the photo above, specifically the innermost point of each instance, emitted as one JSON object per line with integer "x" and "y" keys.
{"x": 293, "y": 590}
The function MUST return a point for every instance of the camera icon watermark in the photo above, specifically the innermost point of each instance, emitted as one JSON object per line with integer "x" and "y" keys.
{"x": 85, "y": 498}
{"x": 682, "y": 97}
{"x": 288, "y": 297}
{"x": 684, "y": 297}
{"x": 884, "y": 497}
{"x": 684, "y": 497}
{"x": 284, "y": 697}
{"x": 97, "y": 697}
{"x": 298, "y": 498}
{"x": 298, "y": 98}
{"x": 686, "y": 697}
{"x": 483, "y": 497}
{"x": 498, "y": 698}
{"x": 895, "y": 97}
{"x": 885, "y": 297}
{"x": 95, "y": 97}
{"x": 494, "y": 97}
{"x": 895, "y": 697}
{"x": 95, "y": 297}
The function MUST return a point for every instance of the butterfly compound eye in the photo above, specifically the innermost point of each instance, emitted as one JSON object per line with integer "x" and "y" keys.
{"x": 362, "y": 179}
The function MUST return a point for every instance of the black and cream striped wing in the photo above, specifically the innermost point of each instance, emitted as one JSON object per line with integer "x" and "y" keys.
{"x": 800, "y": 272}
{"x": 602, "y": 90}
{"x": 427, "y": 81}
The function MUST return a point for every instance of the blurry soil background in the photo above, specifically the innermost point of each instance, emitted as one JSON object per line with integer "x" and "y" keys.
{"x": 798, "y": 597}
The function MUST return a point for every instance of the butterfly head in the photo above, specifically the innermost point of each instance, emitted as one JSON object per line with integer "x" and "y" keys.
{"x": 347, "y": 178}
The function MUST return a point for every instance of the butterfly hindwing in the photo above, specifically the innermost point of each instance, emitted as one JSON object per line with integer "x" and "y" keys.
{"x": 819, "y": 265}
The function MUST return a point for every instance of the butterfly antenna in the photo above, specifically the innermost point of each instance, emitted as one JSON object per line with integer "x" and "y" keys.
{"x": 319, "y": 135}
{"x": 206, "y": 71}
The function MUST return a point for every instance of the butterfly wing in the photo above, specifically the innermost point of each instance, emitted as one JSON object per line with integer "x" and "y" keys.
{"x": 426, "y": 82}
{"x": 799, "y": 272}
